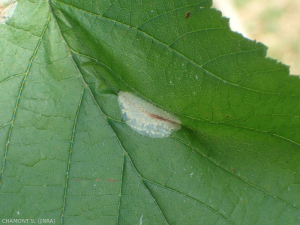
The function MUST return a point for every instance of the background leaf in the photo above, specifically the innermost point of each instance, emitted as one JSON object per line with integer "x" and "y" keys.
{"x": 68, "y": 155}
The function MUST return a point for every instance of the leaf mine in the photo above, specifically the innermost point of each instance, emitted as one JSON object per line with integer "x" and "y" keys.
{"x": 7, "y": 9}
{"x": 145, "y": 118}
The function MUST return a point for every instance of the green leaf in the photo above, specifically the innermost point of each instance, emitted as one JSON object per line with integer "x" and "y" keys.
{"x": 68, "y": 155}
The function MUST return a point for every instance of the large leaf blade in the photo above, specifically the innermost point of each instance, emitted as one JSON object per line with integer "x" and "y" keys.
{"x": 232, "y": 160}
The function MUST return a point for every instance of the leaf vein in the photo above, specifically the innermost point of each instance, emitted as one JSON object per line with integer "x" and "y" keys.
{"x": 19, "y": 96}
{"x": 70, "y": 155}
{"x": 190, "y": 197}
{"x": 238, "y": 177}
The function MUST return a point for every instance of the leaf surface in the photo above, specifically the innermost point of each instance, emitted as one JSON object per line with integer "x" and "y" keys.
{"x": 68, "y": 155}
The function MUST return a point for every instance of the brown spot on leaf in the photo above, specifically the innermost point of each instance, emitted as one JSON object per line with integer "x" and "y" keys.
{"x": 187, "y": 15}
{"x": 110, "y": 180}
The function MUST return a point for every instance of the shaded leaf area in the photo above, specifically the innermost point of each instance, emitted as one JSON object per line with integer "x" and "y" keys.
{"x": 67, "y": 154}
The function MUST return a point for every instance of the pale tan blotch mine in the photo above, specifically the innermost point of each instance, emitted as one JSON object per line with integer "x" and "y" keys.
{"x": 145, "y": 118}
{"x": 7, "y": 9}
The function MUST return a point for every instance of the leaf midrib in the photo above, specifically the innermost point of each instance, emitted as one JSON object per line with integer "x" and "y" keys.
{"x": 106, "y": 119}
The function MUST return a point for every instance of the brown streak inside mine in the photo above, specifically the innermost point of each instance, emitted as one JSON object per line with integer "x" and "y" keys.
{"x": 154, "y": 116}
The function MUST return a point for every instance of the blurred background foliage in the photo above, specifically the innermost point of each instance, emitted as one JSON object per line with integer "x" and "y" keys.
{"x": 276, "y": 23}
